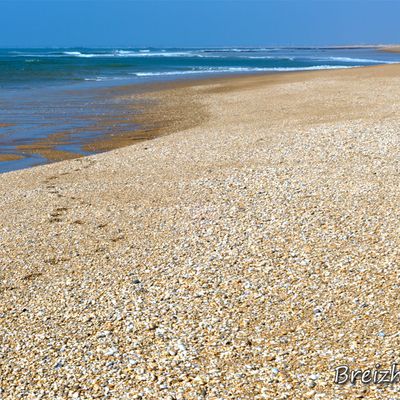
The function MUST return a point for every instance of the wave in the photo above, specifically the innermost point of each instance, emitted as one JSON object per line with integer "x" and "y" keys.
{"x": 238, "y": 50}
{"x": 106, "y": 78}
{"x": 240, "y": 53}
{"x": 239, "y": 69}
{"x": 355, "y": 60}
{"x": 166, "y": 53}
{"x": 79, "y": 54}
{"x": 275, "y": 58}
{"x": 143, "y": 53}
{"x": 72, "y": 53}
{"x": 126, "y": 53}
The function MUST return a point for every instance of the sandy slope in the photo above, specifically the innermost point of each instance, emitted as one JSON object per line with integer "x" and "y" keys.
{"x": 241, "y": 258}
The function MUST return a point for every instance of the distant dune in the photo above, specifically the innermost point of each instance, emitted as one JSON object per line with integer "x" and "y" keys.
{"x": 391, "y": 48}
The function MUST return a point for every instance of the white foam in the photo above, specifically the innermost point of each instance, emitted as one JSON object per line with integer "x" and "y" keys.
{"x": 356, "y": 60}
{"x": 126, "y": 53}
{"x": 105, "y": 78}
{"x": 164, "y": 54}
{"x": 121, "y": 52}
{"x": 72, "y": 53}
{"x": 98, "y": 79}
{"x": 240, "y": 69}
{"x": 79, "y": 54}
{"x": 269, "y": 58}
{"x": 202, "y": 53}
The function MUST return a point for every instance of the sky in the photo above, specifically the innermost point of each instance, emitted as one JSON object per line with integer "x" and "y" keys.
{"x": 190, "y": 23}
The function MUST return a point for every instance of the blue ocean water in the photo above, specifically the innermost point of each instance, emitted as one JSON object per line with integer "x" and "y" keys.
{"x": 36, "y": 67}
{"x": 48, "y": 91}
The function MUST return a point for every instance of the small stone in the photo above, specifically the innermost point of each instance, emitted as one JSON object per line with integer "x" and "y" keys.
{"x": 160, "y": 331}
{"x": 172, "y": 352}
{"x": 310, "y": 394}
{"x": 103, "y": 334}
{"x": 275, "y": 371}
{"x": 111, "y": 352}
{"x": 181, "y": 347}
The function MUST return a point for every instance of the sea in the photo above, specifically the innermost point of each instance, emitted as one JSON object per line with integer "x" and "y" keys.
{"x": 45, "y": 92}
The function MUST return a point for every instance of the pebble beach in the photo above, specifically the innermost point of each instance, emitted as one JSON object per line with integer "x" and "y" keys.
{"x": 244, "y": 252}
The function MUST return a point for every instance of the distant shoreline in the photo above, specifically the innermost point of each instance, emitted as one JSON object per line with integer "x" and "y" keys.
{"x": 154, "y": 113}
{"x": 122, "y": 115}
{"x": 390, "y": 49}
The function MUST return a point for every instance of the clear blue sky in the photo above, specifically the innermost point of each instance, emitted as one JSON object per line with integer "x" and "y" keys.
{"x": 36, "y": 23}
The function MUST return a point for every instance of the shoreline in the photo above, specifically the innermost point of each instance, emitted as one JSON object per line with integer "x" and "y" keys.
{"x": 244, "y": 255}
{"x": 150, "y": 114}
{"x": 125, "y": 114}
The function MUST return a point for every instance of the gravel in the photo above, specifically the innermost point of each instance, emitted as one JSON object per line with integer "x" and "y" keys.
{"x": 244, "y": 257}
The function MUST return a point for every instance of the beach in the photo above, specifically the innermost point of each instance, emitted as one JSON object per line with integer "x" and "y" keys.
{"x": 245, "y": 252}
{"x": 92, "y": 103}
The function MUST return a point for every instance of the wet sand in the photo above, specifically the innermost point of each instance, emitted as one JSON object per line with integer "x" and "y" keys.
{"x": 9, "y": 157}
{"x": 144, "y": 115}
{"x": 243, "y": 255}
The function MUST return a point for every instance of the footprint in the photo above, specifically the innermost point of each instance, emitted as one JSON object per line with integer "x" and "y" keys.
{"x": 57, "y": 213}
{"x": 32, "y": 276}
